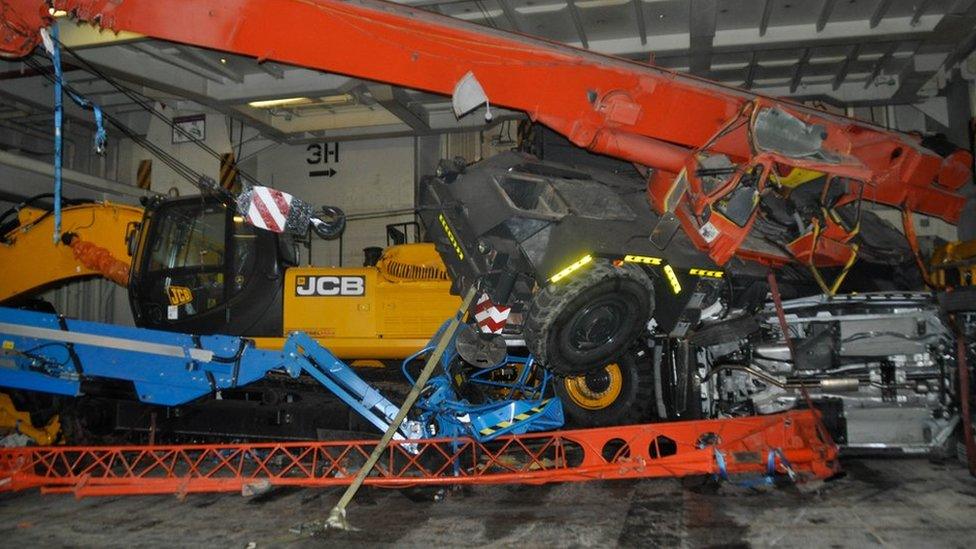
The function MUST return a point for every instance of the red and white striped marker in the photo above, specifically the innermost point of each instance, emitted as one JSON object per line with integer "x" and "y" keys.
{"x": 269, "y": 209}
{"x": 491, "y": 318}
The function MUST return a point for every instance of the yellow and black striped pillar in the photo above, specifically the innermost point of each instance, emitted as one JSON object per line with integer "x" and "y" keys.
{"x": 144, "y": 174}
{"x": 228, "y": 173}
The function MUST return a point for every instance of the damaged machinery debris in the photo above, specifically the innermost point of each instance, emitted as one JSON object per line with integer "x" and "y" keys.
{"x": 197, "y": 265}
{"x": 48, "y": 353}
{"x": 880, "y": 367}
{"x": 596, "y": 271}
{"x": 43, "y": 352}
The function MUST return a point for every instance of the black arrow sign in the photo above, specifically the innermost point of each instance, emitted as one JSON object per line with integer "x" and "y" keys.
{"x": 322, "y": 173}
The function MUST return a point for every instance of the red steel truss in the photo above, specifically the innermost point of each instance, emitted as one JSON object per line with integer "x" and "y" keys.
{"x": 795, "y": 439}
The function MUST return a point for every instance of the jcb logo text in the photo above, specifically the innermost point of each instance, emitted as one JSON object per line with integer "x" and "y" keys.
{"x": 330, "y": 285}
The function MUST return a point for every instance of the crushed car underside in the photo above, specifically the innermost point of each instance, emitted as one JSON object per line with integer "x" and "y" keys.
{"x": 880, "y": 367}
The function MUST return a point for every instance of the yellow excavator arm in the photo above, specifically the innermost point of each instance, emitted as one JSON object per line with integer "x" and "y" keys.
{"x": 14, "y": 420}
{"x": 94, "y": 245}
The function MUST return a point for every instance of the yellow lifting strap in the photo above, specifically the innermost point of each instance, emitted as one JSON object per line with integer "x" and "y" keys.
{"x": 831, "y": 290}
{"x": 337, "y": 517}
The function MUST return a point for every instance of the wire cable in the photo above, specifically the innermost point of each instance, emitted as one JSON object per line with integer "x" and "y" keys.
{"x": 181, "y": 169}
{"x": 149, "y": 107}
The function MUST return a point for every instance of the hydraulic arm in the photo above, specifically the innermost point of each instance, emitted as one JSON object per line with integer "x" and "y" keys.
{"x": 628, "y": 110}
{"x": 48, "y": 353}
{"x": 94, "y": 244}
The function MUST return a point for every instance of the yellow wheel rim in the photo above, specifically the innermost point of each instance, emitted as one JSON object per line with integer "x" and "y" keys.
{"x": 586, "y": 394}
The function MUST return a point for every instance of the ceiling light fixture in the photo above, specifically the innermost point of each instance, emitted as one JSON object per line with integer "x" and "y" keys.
{"x": 338, "y": 99}
{"x": 266, "y": 104}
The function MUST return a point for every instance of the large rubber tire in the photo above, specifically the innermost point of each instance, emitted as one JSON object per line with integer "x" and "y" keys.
{"x": 622, "y": 393}
{"x": 582, "y": 323}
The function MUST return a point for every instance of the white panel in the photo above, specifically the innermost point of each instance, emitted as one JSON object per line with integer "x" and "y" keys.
{"x": 202, "y": 162}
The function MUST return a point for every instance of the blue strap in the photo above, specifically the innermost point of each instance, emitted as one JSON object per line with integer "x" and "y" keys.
{"x": 101, "y": 137}
{"x": 723, "y": 472}
{"x": 784, "y": 462}
{"x": 766, "y": 480}
{"x": 58, "y": 115}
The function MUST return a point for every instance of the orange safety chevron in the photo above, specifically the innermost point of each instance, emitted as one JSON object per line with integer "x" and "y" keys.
{"x": 628, "y": 452}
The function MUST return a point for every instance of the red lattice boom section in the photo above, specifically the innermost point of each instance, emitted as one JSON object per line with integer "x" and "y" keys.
{"x": 639, "y": 451}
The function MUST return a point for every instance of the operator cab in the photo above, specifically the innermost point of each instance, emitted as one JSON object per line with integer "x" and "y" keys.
{"x": 198, "y": 267}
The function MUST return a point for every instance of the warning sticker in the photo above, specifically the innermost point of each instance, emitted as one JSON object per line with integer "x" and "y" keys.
{"x": 708, "y": 232}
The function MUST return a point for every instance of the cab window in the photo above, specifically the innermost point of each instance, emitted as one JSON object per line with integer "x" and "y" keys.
{"x": 201, "y": 247}
{"x": 189, "y": 239}
{"x": 737, "y": 204}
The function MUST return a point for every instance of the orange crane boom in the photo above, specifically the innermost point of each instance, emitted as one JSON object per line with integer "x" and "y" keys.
{"x": 790, "y": 443}
{"x": 629, "y": 110}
